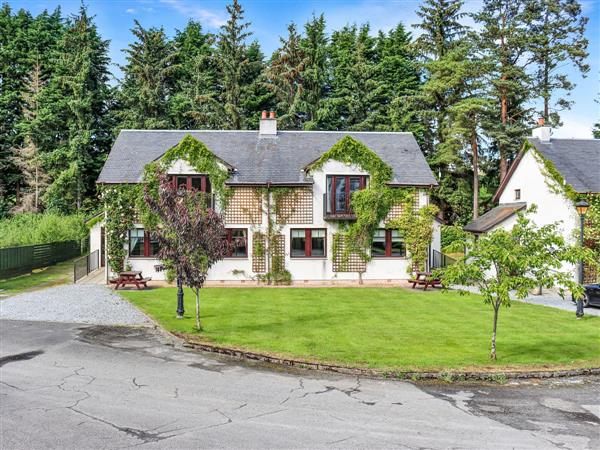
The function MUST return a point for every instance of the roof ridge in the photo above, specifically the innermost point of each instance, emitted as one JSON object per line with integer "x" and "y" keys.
{"x": 256, "y": 131}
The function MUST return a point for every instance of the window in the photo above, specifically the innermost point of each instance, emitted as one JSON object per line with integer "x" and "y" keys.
{"x": 517, "y": 194}
{"x": 200, "y": 183}
{"x": 339, "y": 192}
{"x": 142, "y": 243}
{"x": 308, "y": 243}
{"x": 387, "y": 243}
{"x": 238, "y": 238}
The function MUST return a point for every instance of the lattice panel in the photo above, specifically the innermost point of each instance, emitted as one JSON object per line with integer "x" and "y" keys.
{"x": 295, "y": 207}
{"x": 244, "y": 206}
{"x": 396, "y": 210}
{"x": 278, "y": 253}
{"x": 259, "y": 254}
{"x": 590, "y": 275}
{"x": 354, "y": 263}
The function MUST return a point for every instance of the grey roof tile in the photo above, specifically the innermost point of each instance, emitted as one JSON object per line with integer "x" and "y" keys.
{"x": 493, "y": 217}
{"x": 260, "y": 159}
{"x": 577, "y": 160}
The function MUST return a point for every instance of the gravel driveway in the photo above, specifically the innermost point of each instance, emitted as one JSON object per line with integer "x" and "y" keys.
{"x": 94, "y": 304}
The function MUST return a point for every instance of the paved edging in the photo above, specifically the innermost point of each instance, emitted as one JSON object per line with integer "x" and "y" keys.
{"x": 179, "y": 340}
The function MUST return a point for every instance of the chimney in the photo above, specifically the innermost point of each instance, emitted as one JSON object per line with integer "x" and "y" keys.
{"x": 268, "y": 126}
{"x": 542, "y": 132}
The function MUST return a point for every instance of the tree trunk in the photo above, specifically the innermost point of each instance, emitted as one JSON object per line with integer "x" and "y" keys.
{"x": 198, "y": 325}
{"x": 503, "y": 107}
{"x": 496, "y": 308}
{"x": 475, "y": 150}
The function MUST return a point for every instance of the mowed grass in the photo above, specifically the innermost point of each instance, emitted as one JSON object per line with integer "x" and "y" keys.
{"x": 59, "y": 273}
{"x": 385, "y": 328}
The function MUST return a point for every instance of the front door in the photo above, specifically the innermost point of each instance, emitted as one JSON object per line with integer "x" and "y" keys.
{"x": 102, "y": 247}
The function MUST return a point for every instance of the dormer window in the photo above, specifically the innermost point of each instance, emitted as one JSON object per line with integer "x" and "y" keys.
{"x": 339, "y": 192}
{"x": 517, "y": 194}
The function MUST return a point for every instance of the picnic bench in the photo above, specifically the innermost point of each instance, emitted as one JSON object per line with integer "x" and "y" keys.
{"x": 424, "y": 279}
{"x": 132, "y": 277}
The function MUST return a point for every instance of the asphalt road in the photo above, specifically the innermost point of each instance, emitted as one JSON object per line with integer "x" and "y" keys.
{"x": 84, "y": 386}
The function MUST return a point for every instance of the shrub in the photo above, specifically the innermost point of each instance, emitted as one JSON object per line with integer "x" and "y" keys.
{"x": 30, "y": 228}
{"x": 453, "y": 237}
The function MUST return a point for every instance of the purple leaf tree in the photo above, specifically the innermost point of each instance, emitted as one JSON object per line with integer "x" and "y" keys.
{"x": 191, "y": 236}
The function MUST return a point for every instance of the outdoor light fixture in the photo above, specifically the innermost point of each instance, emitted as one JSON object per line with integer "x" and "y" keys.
{"x": 582, "y": 207}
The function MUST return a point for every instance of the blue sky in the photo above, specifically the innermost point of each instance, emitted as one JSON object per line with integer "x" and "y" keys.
{"x": 270, "y": 17}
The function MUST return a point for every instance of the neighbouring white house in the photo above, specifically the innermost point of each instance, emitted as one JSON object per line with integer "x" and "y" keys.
{"x": 317, "y": 206}
{"x": 543, "y": 173}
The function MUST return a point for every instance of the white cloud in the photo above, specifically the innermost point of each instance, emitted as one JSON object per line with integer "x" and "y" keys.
{"x": 575, "y": 126}
{"x": 130, "y": 10}
{"x": 203, "y": 15}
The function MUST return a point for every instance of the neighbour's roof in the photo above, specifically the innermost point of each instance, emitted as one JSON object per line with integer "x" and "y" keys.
{"x": 577, "y": 160}
{"x": 262, "y": 159}
{"x": 493, "y": 217}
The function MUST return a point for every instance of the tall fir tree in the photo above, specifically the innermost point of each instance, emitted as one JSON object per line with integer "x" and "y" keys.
{"x": 148, "y": 83}
{"x": 558, "y": 40}
{"x": 72, "y": 109}
{"x": 232, "y": 58}
{"x": 256, "y": 97}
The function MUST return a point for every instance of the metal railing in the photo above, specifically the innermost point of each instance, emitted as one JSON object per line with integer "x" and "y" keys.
{"x": 440, "y": 260}
{"x": 85, "y": 265}
{"x": 21, "y": 260}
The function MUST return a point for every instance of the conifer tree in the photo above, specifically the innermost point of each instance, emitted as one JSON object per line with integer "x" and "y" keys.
{"x": 148, "y": 80}
{"x": 557, "y": 39}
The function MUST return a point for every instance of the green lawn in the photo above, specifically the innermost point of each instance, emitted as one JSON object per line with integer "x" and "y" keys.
{"x": 60, "y": 273}
{"x": 382, "y": 328}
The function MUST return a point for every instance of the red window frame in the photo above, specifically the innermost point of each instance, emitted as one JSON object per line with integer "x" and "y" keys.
{"x": 388, "y": 247}
{"x": 308, "y": 242}
{"x": 188, "y": 183}
{"x": 229, "y": 239}
{"x": 147, "y": 253}
{"x": 332, "y": 194}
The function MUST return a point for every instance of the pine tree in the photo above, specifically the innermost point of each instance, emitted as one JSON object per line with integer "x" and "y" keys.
{"x": 148, "y": 80}
{"x": 505, "y": 41}
{"x": 558, "y": 39}
{"x": 72, "y": 109}
{"x": 256, "y": 97}
{"x": 284, "y": 79}
{"x": 314, "y": 45}
{"x": 195, "y": 104}
{"x": 441, "y": 27}
{"x": 232, "y": 57}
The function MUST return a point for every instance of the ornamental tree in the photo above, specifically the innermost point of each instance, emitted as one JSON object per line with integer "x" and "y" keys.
{"x": 505, "y": 263}
{"x": 190, "y": 235}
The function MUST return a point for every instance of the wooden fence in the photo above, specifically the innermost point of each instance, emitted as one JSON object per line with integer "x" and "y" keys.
{"x": 20, "y": 260}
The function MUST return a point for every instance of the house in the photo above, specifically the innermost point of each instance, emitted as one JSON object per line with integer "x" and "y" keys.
{"x": 548, "y": 173}
{"x": 315, "y": 206}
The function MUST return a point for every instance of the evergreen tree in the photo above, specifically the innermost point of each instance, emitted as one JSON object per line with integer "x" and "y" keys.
{"x": 148, "y": 80}
{"x": 232, "y": 58}
{"x": 256, "y": 97}
{"x": 72, "y": 110}
{"x": 505, "y": 41}
{"x": 558, "y": 39}
{"x": 284, "y": 79}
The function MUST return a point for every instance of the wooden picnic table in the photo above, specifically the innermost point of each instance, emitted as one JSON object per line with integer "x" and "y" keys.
{"x": 132, "y": 277}
{"x": 425, "y": 279}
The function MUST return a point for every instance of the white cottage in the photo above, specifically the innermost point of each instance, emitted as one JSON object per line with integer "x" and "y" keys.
{"x": 530, "y": 181}
{"x": 317, "y": 206}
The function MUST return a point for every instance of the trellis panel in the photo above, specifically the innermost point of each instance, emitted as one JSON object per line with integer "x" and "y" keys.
{"x": 278, "y": 253}
{"x": 396, "y": 210}
{"x": 295, "y": 207}
{"x": 354, "y": 263}
{"x": 259, "y": 254}
{"x": 245, "y": 206}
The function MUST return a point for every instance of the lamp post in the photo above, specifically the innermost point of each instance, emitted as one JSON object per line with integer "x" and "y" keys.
{"x": 180, "y": 309}
{"x": 582, "y": 207}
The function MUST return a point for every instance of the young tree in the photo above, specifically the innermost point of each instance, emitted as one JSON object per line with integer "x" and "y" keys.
{"x": 505, "y": 263}
{"x": 557, "y": 39}
{"x": 190, "y": 235}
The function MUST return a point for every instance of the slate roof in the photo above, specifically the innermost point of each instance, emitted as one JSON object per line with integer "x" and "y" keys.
{"x": 261, "y": 159}
{"x": 577, "y": 160}
{"x": 493, "y": 217}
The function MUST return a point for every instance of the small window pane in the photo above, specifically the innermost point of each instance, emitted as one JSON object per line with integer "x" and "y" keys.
{"x": 340, "y": 194}
{"x": 239, "y": 241}
{"x": 318, "y": 233}
{"x": 197, "y": 183}
{"x": 136, "y": 242}
{"x": 317, "y": 242}
{"x": 298, "y": 243}
{"x": 398, "y": 248}
{"x": 328, "y": 198}
{"x": 378, "y": 246}
{"x": 153, "y": 245}
{"x": 181, "y": 183}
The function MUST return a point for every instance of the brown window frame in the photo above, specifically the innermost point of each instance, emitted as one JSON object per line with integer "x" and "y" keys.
{"x": 388, "y": 246}
{"x": 229, "y": 239}
{"x": 332, "y": 195}
{"x": 188, "y": 182}
{"x": 308, "y": 243}
{"x": 146, "y": 244}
